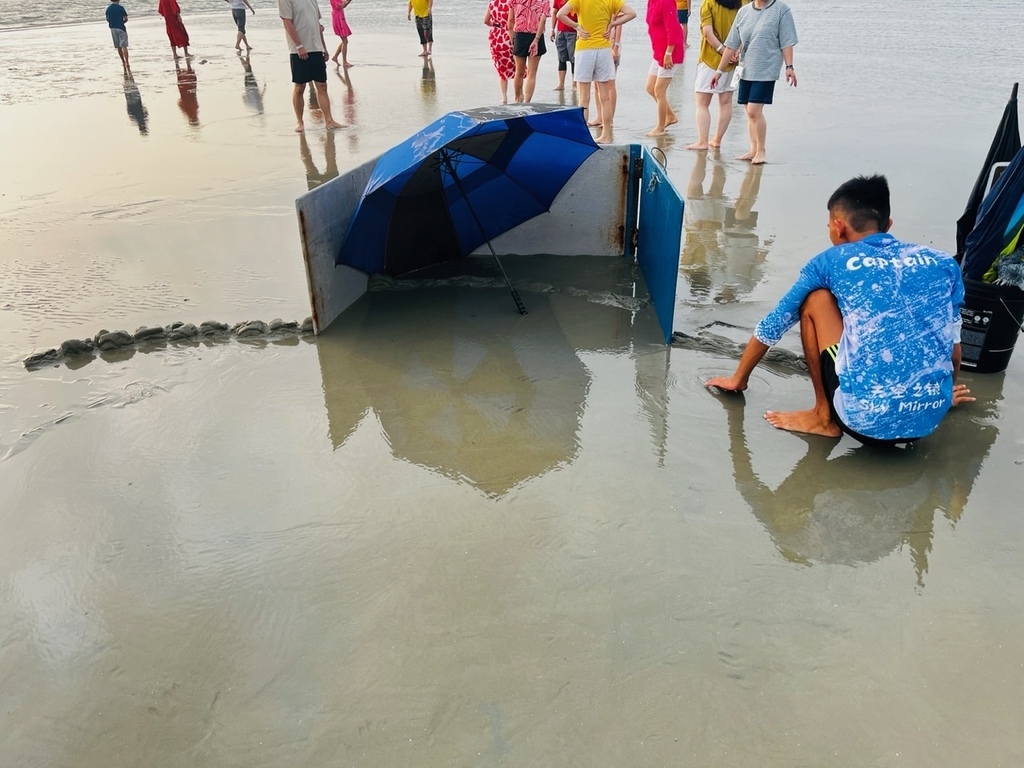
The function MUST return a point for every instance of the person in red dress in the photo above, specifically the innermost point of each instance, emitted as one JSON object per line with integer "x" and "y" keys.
{"x": 501, "y": 44}
{"x": 176, "y": 31}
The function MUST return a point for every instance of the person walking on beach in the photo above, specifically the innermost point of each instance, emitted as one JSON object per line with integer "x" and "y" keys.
{"x": 527, "y": 20}
{"x": 716, "y": 19}
{"x": 683, "y": 17}
{"x": 117, "y": 16}
{"x": 424, "y": 23}
{"x": 564, "y": 38}
{"x": 308, "y": 55}
{"x": 341, "y": 29}
{"x": 500, "y": 41}
{"x": 667, "y": 49}
{"x": 238, "y": 14}
{"x": 596, "y": 23}
{"x": 763, "y": 35}
{"x": 880, "y": 327}
{"x": 176, "y": 32}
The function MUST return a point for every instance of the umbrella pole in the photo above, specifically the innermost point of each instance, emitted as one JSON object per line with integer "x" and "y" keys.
{"x": 458, "y": 184}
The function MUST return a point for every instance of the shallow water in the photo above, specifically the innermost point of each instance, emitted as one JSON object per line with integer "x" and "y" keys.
{"x": 443, "y": 533}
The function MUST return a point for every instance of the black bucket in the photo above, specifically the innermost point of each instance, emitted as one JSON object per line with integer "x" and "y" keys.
{"x": 992, "y": 316}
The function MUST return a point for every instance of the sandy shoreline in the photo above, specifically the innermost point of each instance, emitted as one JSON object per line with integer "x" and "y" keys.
{"x": 431, "y": 539}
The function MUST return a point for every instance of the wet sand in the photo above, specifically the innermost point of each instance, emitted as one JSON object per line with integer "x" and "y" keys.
{"x": 441, "y": 534}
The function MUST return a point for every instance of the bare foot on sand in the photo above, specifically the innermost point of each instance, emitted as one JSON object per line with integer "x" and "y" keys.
{"x": 238, "y": 47}
{"x": 655, "y": 131}
{"x": 603, "y": 139}
{"x": 558, "y": 88}
{"x": 757, "y": 159}
{"x": 331, "y": 126}
{"x": 594, "y": 123}
{"x": 672, "y": 121}
{"x": 715, "y": 143}
{"x": 808, "y": 422}
{"x": 300, "y": 128}
{"x": 334, "y": 58}
{"x": 346, "y": 65}
{"x": 746, "y": 156}
{"x": 700, "y": 145}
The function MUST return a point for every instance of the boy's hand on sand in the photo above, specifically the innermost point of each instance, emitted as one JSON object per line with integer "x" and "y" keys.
{"x": 726, "y": 383}
{"x": 961, "y": 394}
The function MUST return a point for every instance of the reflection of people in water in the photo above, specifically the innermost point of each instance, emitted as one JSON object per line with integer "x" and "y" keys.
{"x": 137, "y": 113}
{"x": 722, "y": 255}
{"x": 860, "y": 506}
{"x": 429, "y": 82}
{"x": 349, "y": 107}
{"x": 314, "y": 178}
{"x": 188, "y": 101}
{"x": 253, "y": 93}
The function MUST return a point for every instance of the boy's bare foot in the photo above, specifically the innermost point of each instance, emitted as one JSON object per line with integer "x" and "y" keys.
{"x": 299, "y": 128}
{"x": 559, "y": 88}
{"x": 656, "y": 131}
{"x": 700, "y": 145}
{"x": 808, "y": 422}
{"x": 331, "y": 125}
{"x": 745, "y": 156}
{"x": 757, "y": 159}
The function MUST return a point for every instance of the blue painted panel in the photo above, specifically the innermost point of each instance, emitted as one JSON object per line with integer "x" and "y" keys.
{"x": 659, "y": 233}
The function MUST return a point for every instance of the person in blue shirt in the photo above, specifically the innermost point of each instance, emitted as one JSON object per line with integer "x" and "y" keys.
{"x": 116, "y": 18}
{"x": 880, "y": 326}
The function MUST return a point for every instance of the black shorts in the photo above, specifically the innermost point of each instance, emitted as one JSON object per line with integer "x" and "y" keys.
{"x": 683, "y": 16}
{"x": 238, "y": 14}
{"x": 312, "y": 68}
{"x": 830, "y": 380}
{"x": 523, "y": 41}
{"x": 755, "y": 92}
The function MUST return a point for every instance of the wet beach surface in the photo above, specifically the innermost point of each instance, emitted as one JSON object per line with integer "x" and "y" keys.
{"x": 444, "y": 534}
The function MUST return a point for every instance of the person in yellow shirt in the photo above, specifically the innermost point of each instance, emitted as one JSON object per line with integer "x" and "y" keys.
{"x": 716, "y": 19}
{"x": 596, "y": 20}
{"x": 424, "y": 23}
{"x": 683, "y": 15}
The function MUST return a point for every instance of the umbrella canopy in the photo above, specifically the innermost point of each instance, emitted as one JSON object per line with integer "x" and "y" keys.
{"x": 1000, "y": 219}
{"x": 461, "y": 181}
{"x": 1004, "y": 146}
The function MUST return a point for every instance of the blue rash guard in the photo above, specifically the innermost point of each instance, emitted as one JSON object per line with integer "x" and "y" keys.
{"x": 116, "y": 16}
{"x": 901, "y": 317}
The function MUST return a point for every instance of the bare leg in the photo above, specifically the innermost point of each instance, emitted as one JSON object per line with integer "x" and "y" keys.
{"x": 517, "y": 83}
{"x": 504, "y": 90}
{"x": 703, "y": 120}
{"x": 299, "y": 104}
{"x": 606, "y": 97}
{"x": 238, "y": 41}
{"x": 658, "y": 88}
{"x": 337, "y": 53}
{"x": 561, "y": 78}
{"x": 531, "y": 78}
{"x": 122, "y": 54}
{"x": 344, "y": 53}
{"x": 759, "y": 131}
{"x": 187, "y": 54}
{"x": 174, "y": 52}
{"x": 584, "y": 99}
{"x": 821, "y": 326}
{"x": 325, "y": 105}
{"x": 724, "y": 118}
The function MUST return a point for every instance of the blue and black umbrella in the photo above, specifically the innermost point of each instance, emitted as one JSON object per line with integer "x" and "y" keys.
{"x": 462, "y": 181}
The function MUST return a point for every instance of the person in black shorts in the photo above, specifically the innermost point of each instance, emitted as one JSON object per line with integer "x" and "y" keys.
{"x": 309, "y": 55}
{"x": 238, "y": 14}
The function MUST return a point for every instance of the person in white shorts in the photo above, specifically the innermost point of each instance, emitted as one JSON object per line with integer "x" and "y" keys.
{"x": 595, "y": 22}
{"x": 716, "y": 19}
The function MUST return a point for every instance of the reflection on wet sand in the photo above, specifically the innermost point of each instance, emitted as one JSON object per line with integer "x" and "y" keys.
{"x": 462, "y": 385}
{"x": 865, "y": 503}
{"x": 314, "y": 177}
{"x": 429, "y": 82}
{"x": 253, "y": 97}
{"x": 188, "y": 102}
{"x": 348, "y": 107}
{"x": 722, "y": 256}
{"x": 137, "y": 113}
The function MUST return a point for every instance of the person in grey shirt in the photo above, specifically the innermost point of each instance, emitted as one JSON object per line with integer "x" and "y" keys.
{"x": 764, "y": 35}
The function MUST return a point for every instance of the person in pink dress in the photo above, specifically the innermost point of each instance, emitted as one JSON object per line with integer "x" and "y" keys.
{"x": 176, "y": 31}
{"x": 495, "y": 17}
{"x": 341, "y": 29}
{"x": 526, "y": 22}
{"x": 667, "y": 49}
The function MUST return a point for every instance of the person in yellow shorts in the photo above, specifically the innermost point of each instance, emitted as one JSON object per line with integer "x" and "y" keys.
{"x": 596, "y": 20}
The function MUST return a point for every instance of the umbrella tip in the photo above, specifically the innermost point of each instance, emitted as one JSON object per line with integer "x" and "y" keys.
{"x": 1013, "y": 93}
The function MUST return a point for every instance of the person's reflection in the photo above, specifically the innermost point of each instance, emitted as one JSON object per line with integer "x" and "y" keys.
{"x": 865, "y": 503}
{"x": 188, "y": 101}
{"x": 349, "y": 107}
{"x": 137, "y": 113}
{"x": 722, "y": 256}
{"x": 253, "y": 97}
{"x": 314, "y": 178}
{"x": 429, "y": 82}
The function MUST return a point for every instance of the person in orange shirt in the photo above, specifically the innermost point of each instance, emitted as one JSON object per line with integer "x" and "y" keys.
{"x": 683, "y": 14}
